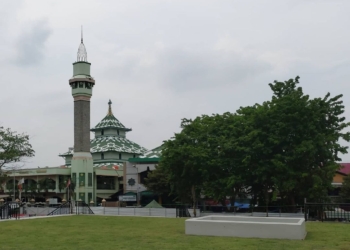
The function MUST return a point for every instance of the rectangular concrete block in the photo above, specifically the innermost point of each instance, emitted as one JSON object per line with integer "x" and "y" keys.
{"x": 247, "y": 227}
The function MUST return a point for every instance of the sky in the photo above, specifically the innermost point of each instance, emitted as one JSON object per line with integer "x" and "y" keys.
{"x": 161, "y": 61}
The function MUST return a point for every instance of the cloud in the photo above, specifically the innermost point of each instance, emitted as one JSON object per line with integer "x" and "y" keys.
{"x": 186, "y": 69}
{"x": 31, "y": 43}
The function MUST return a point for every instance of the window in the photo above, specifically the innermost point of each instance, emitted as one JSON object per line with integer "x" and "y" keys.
{"x": 120, "y": 156}
{"x": 102, "y": 132}
{"x": 74, "y": 177}
{"x": 118, "y": 131}
{"x": 82, "y": 196}
{"x": 89, "y": 197}
{"x": 81, "y": 179}
{"x": 102, "y": 156}
{"x": 105, "y": 182}
{"x": 90, "y": 180}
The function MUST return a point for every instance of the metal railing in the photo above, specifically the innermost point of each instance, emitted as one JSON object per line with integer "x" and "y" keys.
{"x": 327, "y": 211}
{"x": 65, "y": 208}
{"x": 72, "y": 207}
{"x": 82, "y": 208}
{"x": 10, "y": 210}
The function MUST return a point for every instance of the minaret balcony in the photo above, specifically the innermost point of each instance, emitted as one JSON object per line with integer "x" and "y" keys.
{"x": 81, "y": 86}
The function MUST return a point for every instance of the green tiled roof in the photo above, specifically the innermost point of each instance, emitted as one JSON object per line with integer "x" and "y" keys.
{"x": 153, "y": 153}
{"x": 110, "y": 165}
{"x": 110, "y": 122}
{"x": 115, "y": 143}
{"x": 149, "y": 156}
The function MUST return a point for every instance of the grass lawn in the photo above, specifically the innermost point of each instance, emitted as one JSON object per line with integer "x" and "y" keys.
{"x": 112, "y": 232}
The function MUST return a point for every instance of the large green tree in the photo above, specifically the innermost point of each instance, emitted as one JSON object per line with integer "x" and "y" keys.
{"x": 14, "y": 147}
{"x": 294, "y": 143}
{"x": 184, "y": 159}
{"x": 226, "y": 157}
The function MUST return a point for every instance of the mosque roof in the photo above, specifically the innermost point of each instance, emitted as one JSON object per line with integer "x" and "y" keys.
{"x": 153, "y": 153}
{"x": 115, "y": 143}
{"x": 110, "y": 121}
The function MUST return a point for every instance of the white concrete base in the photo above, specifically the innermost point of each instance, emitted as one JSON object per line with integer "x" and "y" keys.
{"x": 248, "y": 227}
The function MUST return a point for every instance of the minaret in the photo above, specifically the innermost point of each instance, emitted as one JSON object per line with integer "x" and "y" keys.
{"x": 82, "y": 162}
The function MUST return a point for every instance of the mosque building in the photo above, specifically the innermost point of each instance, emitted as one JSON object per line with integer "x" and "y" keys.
{"x": 94, "y": 169}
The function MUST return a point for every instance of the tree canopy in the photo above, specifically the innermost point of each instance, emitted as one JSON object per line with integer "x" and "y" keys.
{"x": 14, "y": 147}
{"x": 287, "y": 145}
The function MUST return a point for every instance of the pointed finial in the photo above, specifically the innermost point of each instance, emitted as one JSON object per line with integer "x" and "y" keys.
{"x": 82, "y": 54}
{"x": 110, "y": 107}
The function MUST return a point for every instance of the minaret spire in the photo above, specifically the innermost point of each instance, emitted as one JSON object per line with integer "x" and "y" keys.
{"x": 110, "y": 108}
{"x": 82, "y": 54}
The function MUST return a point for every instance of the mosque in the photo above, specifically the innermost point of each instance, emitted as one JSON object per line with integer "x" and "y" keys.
{"x": 109, "y": 166}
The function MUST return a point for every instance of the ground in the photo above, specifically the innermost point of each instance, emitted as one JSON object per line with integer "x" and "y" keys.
{"x": 112, "y": 232}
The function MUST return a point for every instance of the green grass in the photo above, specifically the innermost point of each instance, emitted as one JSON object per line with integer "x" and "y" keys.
{"x": 110, "y": 232}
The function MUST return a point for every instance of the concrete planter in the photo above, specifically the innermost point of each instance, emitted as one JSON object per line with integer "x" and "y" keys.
{"x": 248, "y": 227}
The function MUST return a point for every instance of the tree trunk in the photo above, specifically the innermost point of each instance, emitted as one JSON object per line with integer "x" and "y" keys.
{"x": 194, "y": 201}
{"x": 267, "y": 202}
{"x": 292, "y": 200}
{"x": 160, "y": 199}
{"x": 223, "y": 204}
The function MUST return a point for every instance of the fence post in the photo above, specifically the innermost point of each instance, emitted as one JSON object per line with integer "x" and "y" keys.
{"x": 279, "y": 209}
{"x": 118, "y": 210}
{"x": 149, "y": 211}
{"x": 134, "y": 211}
{"x": 165, "y": 212}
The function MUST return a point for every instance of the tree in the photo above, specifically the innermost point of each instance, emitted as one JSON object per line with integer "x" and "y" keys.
{"x": 294, "y": 143}
{"x": 226, "y": 157}
{"x": 345, "y": 189}
{"x": 13, "y": 147}
{"x": 158, "y": 182}
{"x": 184, "y": 159}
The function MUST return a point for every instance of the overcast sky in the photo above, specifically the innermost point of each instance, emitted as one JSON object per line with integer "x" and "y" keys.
{"x": 160, "y": 61}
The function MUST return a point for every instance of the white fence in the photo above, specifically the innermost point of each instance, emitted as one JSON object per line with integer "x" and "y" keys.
{"x": 38, "y": 211}
{"x": 135, "y": 211}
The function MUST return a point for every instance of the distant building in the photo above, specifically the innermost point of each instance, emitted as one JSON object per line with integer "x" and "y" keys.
{"x": 135, "y": 172}
{"x": 94, "y": 167}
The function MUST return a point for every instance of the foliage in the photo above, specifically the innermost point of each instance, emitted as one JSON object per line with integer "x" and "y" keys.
{"x": 292, "y": 144}
{"x": 345, "y": 189}
{"x": 32, "y": 187}
{"x": 184, "y": 159}
{"x": 13, "y": 147}
{"x": 46, "y": 184}
{"x": 287, "y": 146}
{"x": 157, "y": 181}
{"x": 3, "y": 179}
